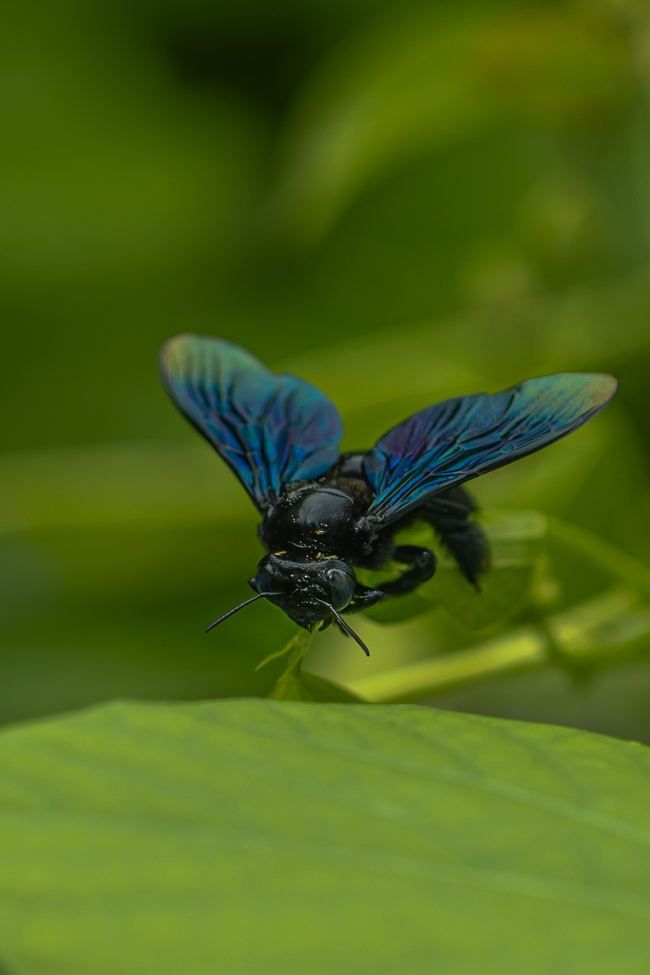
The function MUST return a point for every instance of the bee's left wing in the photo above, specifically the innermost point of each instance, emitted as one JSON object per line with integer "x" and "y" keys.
{"x": 270, "y": 429}
{"x": 461, "y": 438}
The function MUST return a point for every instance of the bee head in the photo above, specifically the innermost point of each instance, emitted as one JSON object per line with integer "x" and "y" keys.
{"x": 306, "y": 591}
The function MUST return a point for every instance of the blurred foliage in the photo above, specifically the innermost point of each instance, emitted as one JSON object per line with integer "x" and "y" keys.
{"x": 400, "y": 202}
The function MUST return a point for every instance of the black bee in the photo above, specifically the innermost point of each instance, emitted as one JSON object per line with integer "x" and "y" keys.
{"x": 324, "y": 513}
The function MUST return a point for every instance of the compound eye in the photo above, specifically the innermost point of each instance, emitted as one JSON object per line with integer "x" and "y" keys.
{"x": 341, "y": 587}
{"x": 263, "y": 581}
{"x": 269, "y": 576}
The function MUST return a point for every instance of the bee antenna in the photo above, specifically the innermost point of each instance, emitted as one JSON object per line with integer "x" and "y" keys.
{"x": 346, "y": 627}
{"x": 246, "y": 602}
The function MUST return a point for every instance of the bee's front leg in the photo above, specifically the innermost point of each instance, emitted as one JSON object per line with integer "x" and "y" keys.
{"x": 364, "y": 598}
{"x": 422, "y": 564}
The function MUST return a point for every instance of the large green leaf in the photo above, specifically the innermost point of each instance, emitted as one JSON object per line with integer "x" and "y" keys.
{"x": 261, "y": 837}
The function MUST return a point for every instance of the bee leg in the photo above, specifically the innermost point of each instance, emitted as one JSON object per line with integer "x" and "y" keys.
{"x": 363, "y": 598}
{"x": 422, "y": 564}
{"x": 450, "y": 515}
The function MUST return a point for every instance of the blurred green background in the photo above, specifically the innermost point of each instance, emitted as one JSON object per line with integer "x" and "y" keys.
{"x": 398, "y": 201}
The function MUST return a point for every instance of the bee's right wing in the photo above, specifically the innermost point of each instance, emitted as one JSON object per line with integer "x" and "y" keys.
{"x": 459, "y": 439}
{"x": 271, "y": 429}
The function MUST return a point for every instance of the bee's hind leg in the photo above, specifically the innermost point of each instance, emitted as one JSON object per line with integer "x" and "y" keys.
{"x": 450, "y": 514}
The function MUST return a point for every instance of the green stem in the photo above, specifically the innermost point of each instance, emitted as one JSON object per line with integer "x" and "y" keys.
{"x": 511, "y": 651}
{"x": 521, "y": 648}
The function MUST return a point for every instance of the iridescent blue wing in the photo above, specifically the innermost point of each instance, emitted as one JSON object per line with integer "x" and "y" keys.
{"x": 271, "y": 429}
{"x": 461, "y": 438}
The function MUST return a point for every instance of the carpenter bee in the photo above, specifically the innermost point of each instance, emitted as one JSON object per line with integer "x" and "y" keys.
{"x": 325, "y": 513}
